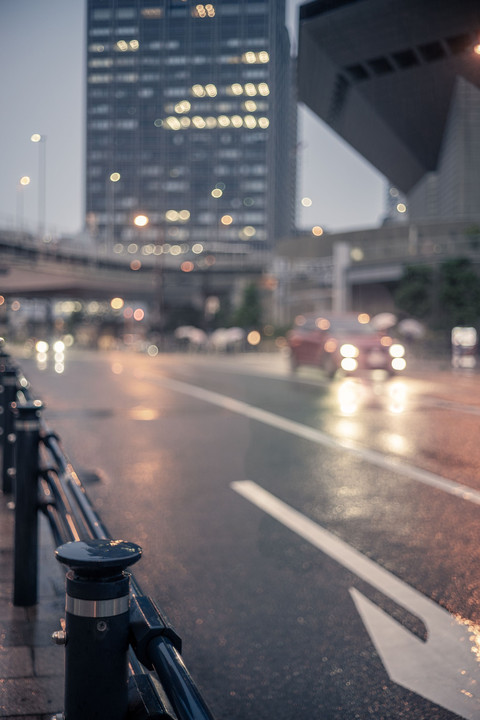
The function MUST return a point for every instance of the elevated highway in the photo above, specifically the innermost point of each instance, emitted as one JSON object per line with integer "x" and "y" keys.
{"x": 30, "y": 269}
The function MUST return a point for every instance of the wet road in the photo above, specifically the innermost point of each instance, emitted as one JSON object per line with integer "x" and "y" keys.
{"x": 315, "y": 544}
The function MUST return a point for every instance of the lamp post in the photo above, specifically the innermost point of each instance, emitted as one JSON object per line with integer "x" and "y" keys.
{"x": 23, "y": 182}
{"x": 41, "y": 140}
{"x": 113, "y": 178}
{"x": 142, "y": 221}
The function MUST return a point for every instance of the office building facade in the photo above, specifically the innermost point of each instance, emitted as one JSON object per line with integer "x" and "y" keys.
{"x": 191, "y": 124}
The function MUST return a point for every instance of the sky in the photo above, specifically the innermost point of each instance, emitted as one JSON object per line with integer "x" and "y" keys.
{"x": 42, "y": 91}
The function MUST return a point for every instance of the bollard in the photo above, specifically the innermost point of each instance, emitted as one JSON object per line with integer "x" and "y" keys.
{"x": 27, "y": 430}
{"x": 3, "y": 359}
{"x": 96, "y": 634}
{"x": 9, "y": 383}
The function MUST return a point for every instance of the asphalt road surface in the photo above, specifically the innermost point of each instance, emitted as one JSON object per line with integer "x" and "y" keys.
{"x": 315, "y": 544}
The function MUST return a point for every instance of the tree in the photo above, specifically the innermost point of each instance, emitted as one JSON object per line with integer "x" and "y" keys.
{"x": 249, "y": 313}
{"x": 459, "y": 294}
{"x": 413, "y": 294}
{"x": 445, "y": 297}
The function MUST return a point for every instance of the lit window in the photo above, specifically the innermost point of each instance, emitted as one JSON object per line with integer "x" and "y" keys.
{"x": 127, "y": 124}
{"x": 211, "y": 90}
{"x": 223, "y": 121}
{"x": 198, "y": 91}
{"x": 152, "y": 13}
{"x": 127, "y": 77}
{"x": 182, "y": 107}
{"x": 173, "y": 123}
{"x": 249, "y": 57}
{"x": 100, "y": 78}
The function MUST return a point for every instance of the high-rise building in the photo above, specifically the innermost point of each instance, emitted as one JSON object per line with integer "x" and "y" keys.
{"x": 191, "y": 123}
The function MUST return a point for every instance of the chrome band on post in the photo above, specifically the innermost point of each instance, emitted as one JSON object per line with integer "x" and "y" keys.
{"x": 97, "y": 608}
{"x": 27, "y": 424}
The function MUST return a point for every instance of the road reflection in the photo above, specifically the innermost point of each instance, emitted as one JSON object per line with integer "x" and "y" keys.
{"x": 354, "y": 394}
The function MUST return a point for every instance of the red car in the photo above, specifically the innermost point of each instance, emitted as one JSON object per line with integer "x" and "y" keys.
{"x": 342, "y": 342}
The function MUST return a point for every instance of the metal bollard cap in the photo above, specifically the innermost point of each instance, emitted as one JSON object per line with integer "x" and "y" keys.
{"x": 98, "y": 557}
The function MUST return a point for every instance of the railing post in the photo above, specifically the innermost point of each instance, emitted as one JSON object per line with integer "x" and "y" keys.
{"x": 27, "y": 430}
{"x": 96, "y": 634}
{"x": 3, "y": 359}
{"x": 9, "y": 383}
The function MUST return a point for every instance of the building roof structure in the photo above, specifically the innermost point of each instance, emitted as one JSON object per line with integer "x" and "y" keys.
{"x": 384, "y": 74}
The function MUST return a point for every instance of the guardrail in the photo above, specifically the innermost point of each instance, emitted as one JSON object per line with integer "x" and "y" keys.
{"x": 122, "y": 657}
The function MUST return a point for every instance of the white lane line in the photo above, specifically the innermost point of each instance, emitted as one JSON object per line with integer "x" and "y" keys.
{"x": 320, "y": 438}
{"x": 331, "y": 545}
{"x": 443, "y": 669}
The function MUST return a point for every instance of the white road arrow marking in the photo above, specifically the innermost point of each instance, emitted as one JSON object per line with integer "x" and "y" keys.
{"x": 444, "y": 669}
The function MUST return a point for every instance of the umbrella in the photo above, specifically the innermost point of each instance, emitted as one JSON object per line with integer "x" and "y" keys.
{"x": 184, "y": 332}
{"x": 411, "y": 328}
{"x": 235, "y": 334}
{"x": 383, "y": 321}
{"x": 190, "y": 333}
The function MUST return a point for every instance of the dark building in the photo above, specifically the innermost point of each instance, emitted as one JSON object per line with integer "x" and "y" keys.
{"x": 399, "y": 80}
{"x": 191, "y": 123}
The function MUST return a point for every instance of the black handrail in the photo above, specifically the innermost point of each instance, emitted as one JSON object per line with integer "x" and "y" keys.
{"x": 71, "y": 517}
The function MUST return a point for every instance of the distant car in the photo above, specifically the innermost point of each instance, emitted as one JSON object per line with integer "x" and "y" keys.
{"x": 344, "y": 342}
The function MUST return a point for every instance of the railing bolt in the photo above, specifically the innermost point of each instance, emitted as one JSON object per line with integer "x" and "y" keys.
{"x": 59, "y": 637}
{"x": 97, "y": 627}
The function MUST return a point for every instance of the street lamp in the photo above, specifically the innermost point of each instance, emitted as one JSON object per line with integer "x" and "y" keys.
{"x": 41, "y": 140}
{"x": 141, "y": 220}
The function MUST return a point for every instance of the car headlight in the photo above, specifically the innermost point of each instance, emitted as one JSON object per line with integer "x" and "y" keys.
{"x": 399, "y": 364}
{"x": 396, "y": 350}
{"x": 349, "y": 351}
{"x": 41, "y": 346}
{"x": 349, "y": 364}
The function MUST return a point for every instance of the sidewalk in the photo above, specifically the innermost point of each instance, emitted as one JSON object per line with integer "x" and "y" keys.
{"x": 31, "y": 666}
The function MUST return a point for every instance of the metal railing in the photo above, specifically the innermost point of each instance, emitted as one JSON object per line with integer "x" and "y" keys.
{"x": 122, "y": 657}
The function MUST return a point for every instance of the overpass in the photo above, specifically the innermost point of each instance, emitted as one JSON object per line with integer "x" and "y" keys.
{"x": 32, "y": 269}
{"x": 359, "y": 269}
{"x": 352, "y": 270}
